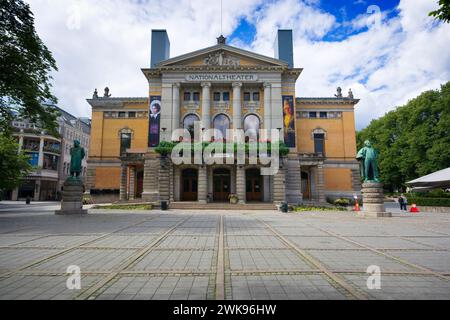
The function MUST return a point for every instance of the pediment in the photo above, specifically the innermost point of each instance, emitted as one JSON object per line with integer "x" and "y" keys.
{"x": 222, "y": 56}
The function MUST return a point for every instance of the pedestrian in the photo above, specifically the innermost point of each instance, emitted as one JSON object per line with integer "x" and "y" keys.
{"x": 405, "y": 202}
{"x": 400, "y": 201}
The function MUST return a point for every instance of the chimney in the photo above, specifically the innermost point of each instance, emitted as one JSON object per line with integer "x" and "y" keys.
{"x": 284, "y": 47}
{"x": 160, "y": 47}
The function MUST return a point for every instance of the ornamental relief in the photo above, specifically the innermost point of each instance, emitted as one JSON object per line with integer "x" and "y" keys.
{"x": 221, "y": 59}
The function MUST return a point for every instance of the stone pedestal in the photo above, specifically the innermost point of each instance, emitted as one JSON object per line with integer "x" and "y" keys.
{"x": 72, "y": 198}
{"x": 373, "y": 198}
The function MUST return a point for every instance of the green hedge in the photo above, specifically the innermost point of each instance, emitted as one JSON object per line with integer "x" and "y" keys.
{"x": 429, "y": 202}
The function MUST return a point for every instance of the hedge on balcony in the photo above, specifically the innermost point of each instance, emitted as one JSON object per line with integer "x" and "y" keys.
{"x": 165, "y": 148}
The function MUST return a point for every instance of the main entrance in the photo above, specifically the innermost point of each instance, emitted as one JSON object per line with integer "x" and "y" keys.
{"x": 189, "y": 185}
{"x": 254, "y": 185}
{"x": 306, "y": 186}
{"x": 222, "y": 185}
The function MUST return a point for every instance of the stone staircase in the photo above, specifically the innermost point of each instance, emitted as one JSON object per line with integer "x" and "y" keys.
{"x": 222, "y": 206}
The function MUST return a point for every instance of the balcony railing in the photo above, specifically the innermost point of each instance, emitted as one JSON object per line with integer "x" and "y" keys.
{"x": 251, "y": 105}
{"x": 221, "y": 105}
{"x": 191, "y": 105}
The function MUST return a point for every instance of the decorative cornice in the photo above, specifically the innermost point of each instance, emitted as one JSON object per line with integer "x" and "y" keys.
{"x": 115, "y": 102}
{"x": 328, "y": 101}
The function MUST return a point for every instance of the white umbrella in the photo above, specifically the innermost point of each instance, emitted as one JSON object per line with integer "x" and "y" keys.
{"x": 439, "y": 179}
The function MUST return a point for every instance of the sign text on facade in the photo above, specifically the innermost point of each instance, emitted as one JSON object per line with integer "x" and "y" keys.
{"x": 222, "y": 77}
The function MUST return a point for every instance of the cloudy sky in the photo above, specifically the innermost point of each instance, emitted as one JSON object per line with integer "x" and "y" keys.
{"x": 386, "y": 51}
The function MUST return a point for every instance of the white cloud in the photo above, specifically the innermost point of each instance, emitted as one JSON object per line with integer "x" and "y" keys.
{"x": 385, "y": 65}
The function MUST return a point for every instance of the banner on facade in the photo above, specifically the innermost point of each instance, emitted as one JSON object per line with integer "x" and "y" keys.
{"x": 154, "y": 121}
{"x": 289, "y": 121}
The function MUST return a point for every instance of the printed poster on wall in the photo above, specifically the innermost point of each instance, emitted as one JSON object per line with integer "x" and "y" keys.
{"x": 154, "y": 121}
{"x": 289, "y": 121}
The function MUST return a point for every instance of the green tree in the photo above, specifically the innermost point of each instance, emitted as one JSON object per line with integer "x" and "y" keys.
{"x": 25, "y": 66}
{"x": 413, "y": 140}
{"x": 14, "y": 166}
{"x": 443, "y": 13}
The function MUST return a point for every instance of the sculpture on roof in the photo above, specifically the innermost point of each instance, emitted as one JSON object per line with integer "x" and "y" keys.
{"x": 350, "y": 94}
{"x": 339, "y": 93}
{"x": 106, "y": 95}
{"x": 221, "y": 59}
{"x": 95, "y": 95}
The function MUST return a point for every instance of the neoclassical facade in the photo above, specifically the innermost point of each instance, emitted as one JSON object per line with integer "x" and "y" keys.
{"x": 222, "y": 87}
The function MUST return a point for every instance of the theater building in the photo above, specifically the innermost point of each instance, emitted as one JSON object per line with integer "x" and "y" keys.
{"x": 222, "y": 87}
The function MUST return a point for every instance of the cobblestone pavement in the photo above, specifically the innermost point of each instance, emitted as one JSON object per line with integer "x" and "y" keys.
{"x": 256, "y": 255}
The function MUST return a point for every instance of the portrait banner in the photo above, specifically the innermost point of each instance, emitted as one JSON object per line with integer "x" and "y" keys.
{"x": 289, "y": 121}
{"x": 154, "y": 121}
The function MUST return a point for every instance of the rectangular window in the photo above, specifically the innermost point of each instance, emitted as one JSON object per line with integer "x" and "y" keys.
{"x": 247, "y": 96}
{"x": 226, "y": 96}
{"x": 319, "y": 144}
{"x": 217, "y": 96}
{"x": 187, "y": 96}
{"x": 132, "y": 114}
{"x": 324, "y": 115}
{"x": 313, "y": 114}
{"x": 255, "y": 96}
{"x": 125, "y": 143}
{"x": 196, "y": 96}
{"x": 122, "y": 114}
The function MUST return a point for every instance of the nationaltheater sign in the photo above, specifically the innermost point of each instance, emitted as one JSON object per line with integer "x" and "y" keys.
{"x": 220, "y": 77}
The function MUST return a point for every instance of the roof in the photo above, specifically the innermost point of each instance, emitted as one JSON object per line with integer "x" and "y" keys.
{"x": 71, "y": 120}
{"x": 439, "y": 179}
{"x": 327, "y": 100}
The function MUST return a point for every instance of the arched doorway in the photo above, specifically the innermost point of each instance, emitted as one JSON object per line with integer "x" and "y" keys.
{"x": 254, "y": 185}
{"x": 222, "y": 185}
{"x": 306, "y": 186}
{"x": 189, "y": 185}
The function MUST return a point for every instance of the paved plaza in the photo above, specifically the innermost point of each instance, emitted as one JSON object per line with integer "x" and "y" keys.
{"x": 193, "y": 255}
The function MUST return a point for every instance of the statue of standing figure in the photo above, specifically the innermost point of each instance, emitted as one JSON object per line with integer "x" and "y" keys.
{"x": 368, "y": 157}
{"x": 77, "y": 154}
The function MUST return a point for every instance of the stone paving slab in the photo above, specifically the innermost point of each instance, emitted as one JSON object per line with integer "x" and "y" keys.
{"x": 434, "y": 260}
{"x": 188, "y": 241}
{"x": 156, "y": 288}
{"x": 14, "y": 258}
{"x": 175, "y": 260}
{"x": 357, "y": 260}
{"x": 32, "y": 287}
{"x": 404, "y": 287}
{"x": 10, "y": 240}
{"x": 284, "y": 287}
{"x": 388, "y": 243}
{"x": 266, "y": 260}
{"x": 254, "y": 242}
{"x": 62, "y": 241}
{"x": 321, "y": 243}
{"x": 89, "y": 260}
{"x": 439, "y": 242}
{"x": 124, "y": 241}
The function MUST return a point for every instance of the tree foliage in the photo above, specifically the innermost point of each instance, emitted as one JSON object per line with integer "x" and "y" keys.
{"x": 413, "y": 140}
{"x": 13, "y": 165}
{"x": 25, "y": 66}
{"x": 443, "y": 13}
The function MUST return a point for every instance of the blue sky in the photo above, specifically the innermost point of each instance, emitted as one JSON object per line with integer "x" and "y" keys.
{"x": 99, "y": 43}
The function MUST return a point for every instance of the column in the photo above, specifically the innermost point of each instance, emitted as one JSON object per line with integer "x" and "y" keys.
{"x": 277, "y": 109}
{"x": 240, "y": 184}
{"x": 267, "y": 106}
{"x": 321, "y": 183}
{"x": 151, "y": 174}
{"x": 15, "y": 194}
{"x": 132, "y": 183}
{"x": 202, "y": 184}
{"x": 41, "y": 154}
{"x": 279, "y": 184}
{"x": 237, "y": 105}
{"x": 176, "y": 106}
{"x": 123, "y": 182}
{"x": 37, "y": 190}
{"x": 206, "y": 105}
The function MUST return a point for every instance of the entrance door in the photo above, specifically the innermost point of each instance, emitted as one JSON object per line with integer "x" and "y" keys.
{"x": 189, "y": 185}
{"x": 222, "y": 185}
{"x": 306, "y": 190}
{"x": 254, "y": 185}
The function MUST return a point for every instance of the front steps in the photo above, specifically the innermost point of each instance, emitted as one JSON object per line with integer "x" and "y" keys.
{"x": 222, "y": 206}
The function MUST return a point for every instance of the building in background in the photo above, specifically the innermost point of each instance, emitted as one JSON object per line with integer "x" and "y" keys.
{"x": 49, "y": 155}
{"x": 223, "y": 87}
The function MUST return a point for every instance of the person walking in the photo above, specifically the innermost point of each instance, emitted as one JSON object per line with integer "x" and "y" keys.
{"x": 400, "y": 201}
{"x": 405, "y": 202}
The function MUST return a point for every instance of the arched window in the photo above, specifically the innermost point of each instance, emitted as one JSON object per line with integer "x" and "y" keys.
{"x": 252, "y": 124}
{"x": 222, "y": 124}
{"x": 188, "y": 124}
